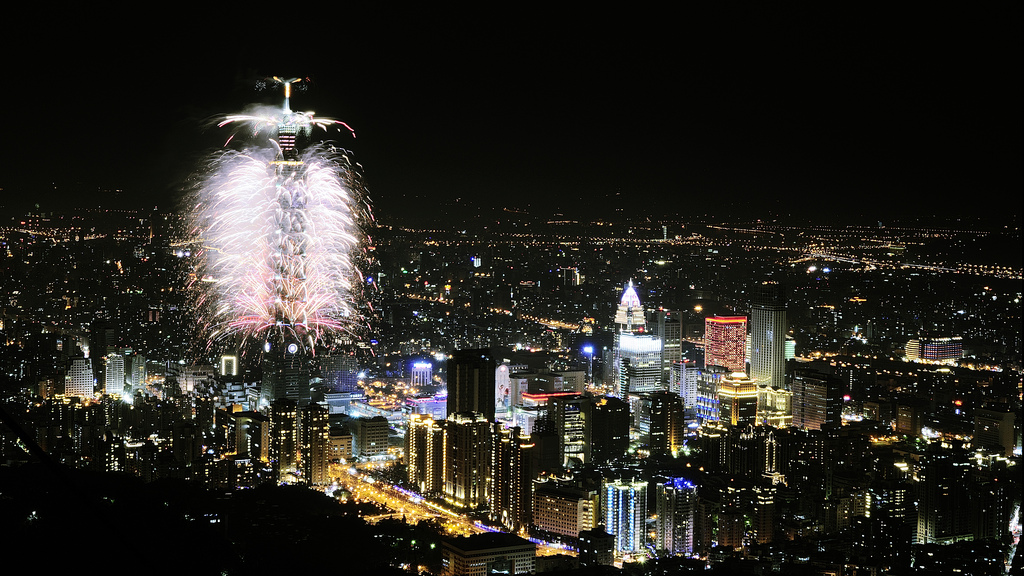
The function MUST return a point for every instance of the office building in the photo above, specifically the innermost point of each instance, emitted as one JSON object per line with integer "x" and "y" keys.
{"x": 490, "y": 553}
{"x": 725, "y": 342}
{"x": 79, "y": 380}
{"x": 114, "y": 374}
{"x": 768, "y": 327}
{"x": 471, "y": 383}
{"x": 737, "y": 399}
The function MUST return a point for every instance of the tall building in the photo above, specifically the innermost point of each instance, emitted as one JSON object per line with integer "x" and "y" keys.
{"x": 284, "y": 438}
{"x": 340, "y": 372}
{"x": 467, "y": 459}
{"x": 285, "y": 373}
{"x": 139, "y": 372}
{"x": 316, "y": 445}
{"x": 422, "y": 374}
{"x": 79, "y": 380}
{"x": 636, "y": 356}
{"x": 511, "y": 478}
{"x": 725, "y": 342}
{"x": 676, "y": 503}
{"x": 114, "y": 374}
{"x": 639, "y": 358}
{"x": 624, "y": 506}
{"x": 737, "y": 399}
{"x": 995, "y": 428}
{"x": 768, "y": 327}
{"x": 668, "y": 423}
{"x": 563, "y": 509}
{"x": 629, "y": 316}
{"x": 572, "y": 419}
{"x": 424, "y": 453}
{"x": 471, "y": 383}
{"x": 609, "y": 435}
{"x": 816, "y": 401}
{"x": 669, "y": 329}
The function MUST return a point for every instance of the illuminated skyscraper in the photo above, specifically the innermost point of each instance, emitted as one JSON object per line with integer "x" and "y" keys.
{"x": 421, "y": 374}
{"x": 467, "y": 459}
{"x": 79, "y": 379}
{"x": 114, "y": 374}
{"x": 725, "y": 342}
{"x": 639, "y": 359}
{"x": 315, "y": 445}
{"x": 624, "y": 505}
{"x": 629, "y": 316}
{"x": 768, "y": 326}
{"x": 676, "y": 507}
{"x": 737, "y": 399}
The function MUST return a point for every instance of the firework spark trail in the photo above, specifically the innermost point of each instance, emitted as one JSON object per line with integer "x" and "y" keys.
{"x": 279, "y": 233}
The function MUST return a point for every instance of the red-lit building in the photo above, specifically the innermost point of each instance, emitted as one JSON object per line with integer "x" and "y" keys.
{"x": 725, "y": 342}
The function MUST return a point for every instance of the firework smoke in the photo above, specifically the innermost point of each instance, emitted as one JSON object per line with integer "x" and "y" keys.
{"x": 279, "y": 229}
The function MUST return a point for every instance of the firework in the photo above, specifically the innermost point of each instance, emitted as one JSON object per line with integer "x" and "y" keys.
{"x": 279, "y": 228}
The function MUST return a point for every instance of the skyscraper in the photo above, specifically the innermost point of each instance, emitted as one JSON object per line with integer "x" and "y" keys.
{"x": 725, "y": 342}
{"x": 79, "y": 379}
{"x": 471, "y": 383}
{"x": 639, "y": 359}
{"x": 115, "y": 374}
{"x": 467, "y": 459}
{"x": 624, "y": 505}
{"x": 676, "y": 506}
{"x": 768, "y": 326}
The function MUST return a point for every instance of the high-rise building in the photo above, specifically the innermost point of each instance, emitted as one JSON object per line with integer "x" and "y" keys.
{"x": 467, "y": 459}
{"x": 471, "y": 383}
{"x": 340, "y": 372}
{"x": 725, "y": 342}
{"x": 316, "y": 445}
{"x": 624, "y": 506}
{"x": 139, "y": 372}
{"x": 816, "y": 402}
{"x": 421, "y": 375}
{"x": 114, "y": 374}
{"x": 79, "y": 380}
{"x": 768, "y": 326}
{"x": 636, "y": 356}
{"x": 512, "y": 474}
{"x": 774, "y": 406}
{"x": 676, "y": 501}
{"x": 639, "y": 358}
{"x": 609, "y": 436}
{"x": 994, "y": 428}
{"x": 284, "y": 438}
{"x": 285, "y": 373}
{"x": 572, "y": 419}
{"x": 737, "y": 399}
{"x": 562, "y": 509}
{"x": 424, "y": 452}
{"x": 668, "y": 423}
{"x": 669, "y": 330}
{"x": 629, "y": 316}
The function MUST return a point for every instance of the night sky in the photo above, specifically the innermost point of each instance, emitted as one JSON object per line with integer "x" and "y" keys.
{"x": 743, "y": 109}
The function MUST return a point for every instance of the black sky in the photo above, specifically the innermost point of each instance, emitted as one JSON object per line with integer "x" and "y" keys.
{"x": 813, "y": 110}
